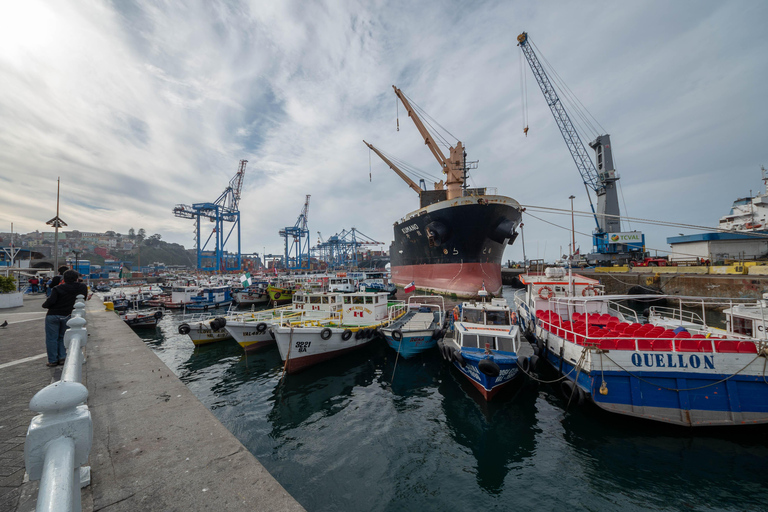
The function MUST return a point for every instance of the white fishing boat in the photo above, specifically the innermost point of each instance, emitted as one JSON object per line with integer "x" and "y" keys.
{"x": 306, "y": 341}
{"x": 342, "y": 284}
{"x": 253, "y": 295}
{"x": 204, "y": 328}
{"x": 420, "y": 328}
{"x": 252, "y": 330}
{"x": 145, "y": 318}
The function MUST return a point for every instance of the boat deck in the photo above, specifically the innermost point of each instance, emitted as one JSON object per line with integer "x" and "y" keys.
{"x": 419, "y": 322}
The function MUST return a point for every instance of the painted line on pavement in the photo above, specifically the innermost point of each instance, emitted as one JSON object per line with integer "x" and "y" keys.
{"x": 26, "y": 359}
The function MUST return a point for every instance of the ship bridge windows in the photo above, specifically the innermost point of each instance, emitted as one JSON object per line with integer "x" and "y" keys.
{"x": 314, "y": 300}
{"x": 325, "y": 300}
{"x": 358, "y": 299}
{"x": 469, "y": 340}
{"x": 487, "y": 340}
{"x": 368, "y": 300}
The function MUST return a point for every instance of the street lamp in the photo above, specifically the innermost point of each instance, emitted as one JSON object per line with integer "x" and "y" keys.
{"x": 573, "y": 229}
{"x": 77, "y": 266}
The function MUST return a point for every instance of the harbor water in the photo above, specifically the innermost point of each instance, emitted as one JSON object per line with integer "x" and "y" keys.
{"x": 372, "y": 432}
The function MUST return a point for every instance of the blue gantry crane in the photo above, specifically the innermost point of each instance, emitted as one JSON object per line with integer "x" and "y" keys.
{"x": 224, "y": 209}
{"x": 339, "y": 251}
{"x": 609, "y": 243}
{"x": 297, "y": 241}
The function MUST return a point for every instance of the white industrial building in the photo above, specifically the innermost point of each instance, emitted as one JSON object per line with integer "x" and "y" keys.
{"x": 719, "y": 246}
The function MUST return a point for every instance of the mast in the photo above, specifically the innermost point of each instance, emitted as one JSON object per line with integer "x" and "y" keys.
{"x": 453, "y": 166}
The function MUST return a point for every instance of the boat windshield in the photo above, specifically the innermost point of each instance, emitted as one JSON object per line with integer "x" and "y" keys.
{"x": 474, "y": 316}
{"x": 497, "y": 318}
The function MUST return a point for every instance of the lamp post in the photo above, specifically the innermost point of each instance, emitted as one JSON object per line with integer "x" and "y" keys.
{"x": 573, "y": 230}
{"x": 77, "y": 266}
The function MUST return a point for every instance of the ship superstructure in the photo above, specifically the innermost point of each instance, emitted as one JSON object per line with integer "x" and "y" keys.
{"x": 748, "y": 213}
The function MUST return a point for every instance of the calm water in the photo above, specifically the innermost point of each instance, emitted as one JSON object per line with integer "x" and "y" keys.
{"x": 346, "y": 435}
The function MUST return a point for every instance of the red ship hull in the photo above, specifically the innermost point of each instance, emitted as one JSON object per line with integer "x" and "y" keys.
{"x": 462, "y": 279}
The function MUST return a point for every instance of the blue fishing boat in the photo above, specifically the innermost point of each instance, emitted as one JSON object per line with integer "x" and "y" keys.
{"x": 420, "y": 328}
{"x": 483, "y": 344}
{"x": 210, "y": 297}
{"x": 673, "y": 368}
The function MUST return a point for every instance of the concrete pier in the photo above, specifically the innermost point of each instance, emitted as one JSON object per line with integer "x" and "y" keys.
{"x": 155, "y": 446}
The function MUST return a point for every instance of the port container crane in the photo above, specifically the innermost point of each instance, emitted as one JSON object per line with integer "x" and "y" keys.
{"x": 297, "y": 241}
{"x": 224, "y": 209}
{"x": 609, "y": 244}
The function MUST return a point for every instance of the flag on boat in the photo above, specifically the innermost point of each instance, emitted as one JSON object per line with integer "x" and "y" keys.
{"x": 245, "y": 280}
{"x": 411, "y": 287}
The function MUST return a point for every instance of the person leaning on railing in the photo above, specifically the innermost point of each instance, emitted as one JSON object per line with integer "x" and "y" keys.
{"x": 60, "y": 305}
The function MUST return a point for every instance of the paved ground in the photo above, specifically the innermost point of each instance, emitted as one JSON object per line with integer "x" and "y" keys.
{"x": 155, "y": 446}
{"x": 23, "y": 338}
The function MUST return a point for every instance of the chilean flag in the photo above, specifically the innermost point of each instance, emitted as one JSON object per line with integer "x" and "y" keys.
{"x": 411, "y": 287}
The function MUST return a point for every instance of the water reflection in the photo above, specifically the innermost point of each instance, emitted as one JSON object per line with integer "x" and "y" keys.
{"x": 500, "y": 434}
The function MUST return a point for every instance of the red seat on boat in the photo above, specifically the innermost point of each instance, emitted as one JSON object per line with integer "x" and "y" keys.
{"x": 686, "y": 345}
{"x": 683, "y": 334}
{"x": 725, "y": 346}
{"x": 625, "y": 344}
{"x": 620, "y": 326}
{"x": 668, "y": 334}
{"x": 645, "y": 344}
{"x": 747, "y": 347}
{"x": 705, "y": 345}
{"x": 632, "y": 328}
{"x": 608, "y": 344}
{"x": 662, "y": 345}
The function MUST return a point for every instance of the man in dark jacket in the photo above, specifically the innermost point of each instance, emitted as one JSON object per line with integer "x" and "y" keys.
{"x": 60, "y": 305}
{"x": 56, "y": 281}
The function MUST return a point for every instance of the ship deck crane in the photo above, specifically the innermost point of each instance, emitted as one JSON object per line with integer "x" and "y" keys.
{"x": 601, "y": 178}
{"x": 224, "y": 209}
{"x": 397, "y": 170}
{"x": 297, "y": 241}
{"x": 454, "y": 166}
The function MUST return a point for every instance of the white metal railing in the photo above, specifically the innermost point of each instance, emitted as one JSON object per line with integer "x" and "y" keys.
{"x": 59, "y": 438}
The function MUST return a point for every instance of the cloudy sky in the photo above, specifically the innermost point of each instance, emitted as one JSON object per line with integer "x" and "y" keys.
{"x": 138, "y": 106}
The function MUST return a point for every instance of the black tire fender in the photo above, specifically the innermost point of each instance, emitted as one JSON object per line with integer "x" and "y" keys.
{"x": 397, "y": 335}
{"x": 489, "y": 367}
{"x": 326, "y": 333}
{"x": 346, "y": 334}
{"x": 572, "y": 392}
{"x": 158, "y": 314}
{"x": 261, "y": 327}
{"x": 359, "y": 334}
{"x": 456, "y": 356}
{"x": 184, "y": 329}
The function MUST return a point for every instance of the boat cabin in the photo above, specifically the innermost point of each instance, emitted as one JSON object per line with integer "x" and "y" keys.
{"x": 341, "y": 284}
{"x": 554, "y": 283}
{"x": 325, "y": 302}
{"x": 491, "y": 325}
{"x": 364, "y": 308}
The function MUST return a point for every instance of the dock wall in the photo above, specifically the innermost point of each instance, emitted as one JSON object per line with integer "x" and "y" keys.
{"x": 155, "y": 445}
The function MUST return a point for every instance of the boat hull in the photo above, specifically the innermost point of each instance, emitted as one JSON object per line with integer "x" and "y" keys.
{"x": 305, "y": 348}
{"x": 412, "y": 343}
{"x": 248, "y": 336}
{"x": 682, "y": 388}
{"x": 488, "y": 386}
{"x": 455, "y": 246}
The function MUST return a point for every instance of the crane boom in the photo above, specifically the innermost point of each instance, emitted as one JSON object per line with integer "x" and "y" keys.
{"x": 602, "y": 179}
{"x": 392, "y": 166}
{"x": 453, "y": 166}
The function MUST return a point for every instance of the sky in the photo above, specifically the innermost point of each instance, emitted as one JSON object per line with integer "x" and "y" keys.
{"x": 139, "y": 106}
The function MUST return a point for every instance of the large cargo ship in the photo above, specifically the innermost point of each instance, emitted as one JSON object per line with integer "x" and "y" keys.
{"x": 453, "y": 244}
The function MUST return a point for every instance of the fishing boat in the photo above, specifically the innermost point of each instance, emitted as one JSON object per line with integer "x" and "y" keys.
{"x": 252, "y": 295}
{"x": 281, "y": 292}
{"x": 342, "y": 284}
{"x": 210, "y": 297}
{"x": 484, "y": 343}
{"x": 306, "y": 341}
{"x": 673, "y": 368}
{"x": 453, "y": 243}
{"x": 253, "y": 330}
{"x": 181, "y": 296}
{"x": 377, "y": 282}
{"x": 420, "y": 328}
{"x": 203, "y": 329}
{"x": 145, "y": 318}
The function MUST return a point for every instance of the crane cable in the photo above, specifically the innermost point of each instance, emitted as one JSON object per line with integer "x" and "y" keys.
{"x": 524, "y": 94}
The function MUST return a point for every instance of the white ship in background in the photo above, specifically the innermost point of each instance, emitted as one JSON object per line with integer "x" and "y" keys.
{"x": 748, "y": 213}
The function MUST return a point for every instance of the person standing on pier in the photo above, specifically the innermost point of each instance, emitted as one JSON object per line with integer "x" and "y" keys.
{"x": 60, "y": 305}
{"x": 56, "y": 281}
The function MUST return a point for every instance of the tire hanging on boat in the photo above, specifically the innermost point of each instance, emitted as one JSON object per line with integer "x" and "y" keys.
{"x": 489, "y": 367}
{"x": 184, "y": 329}
{"x": 326, "y": 333}
{"x": 346, "y": 334}
{"x": 397, "y": 335}
{"x": 572, "y": 392}
{"x": 456, "y": 356}
{"x": 261, "y": 327}
{"x": 158, "y": 314}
